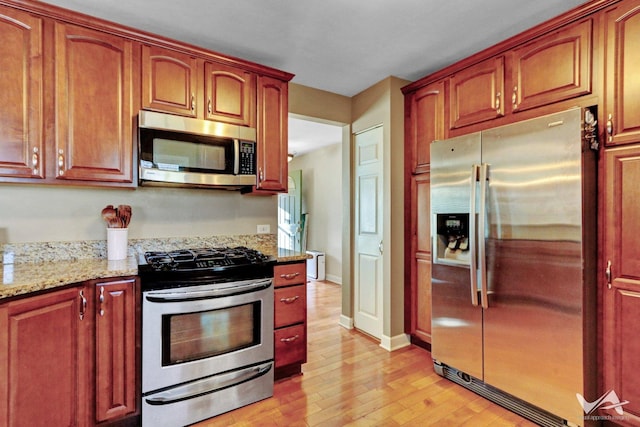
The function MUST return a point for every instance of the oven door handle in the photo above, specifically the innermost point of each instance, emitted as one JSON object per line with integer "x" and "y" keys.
{"x": 208, "y": 385}
{"x": 174, "y": 296}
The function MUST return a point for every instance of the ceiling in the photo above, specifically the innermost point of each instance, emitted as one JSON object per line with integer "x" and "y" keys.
{"x": 341, "y": 46}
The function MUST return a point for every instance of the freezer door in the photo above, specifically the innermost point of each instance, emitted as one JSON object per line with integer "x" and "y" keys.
{"x": 456, "y": 321}
{"x": 533, "y": 326}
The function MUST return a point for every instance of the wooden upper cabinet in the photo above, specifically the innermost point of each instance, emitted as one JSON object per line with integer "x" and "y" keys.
{"x": 426, "y": 123}
{"x": 622, "y": 62}
{"x": 21, "y": 95}
{"x": 169, "y": 81}
{"x": 476, "y": 94}
{"x": 93, "y": 115}
{"x": 230, "y": 94}
{"x": 552, "y": 68}
{"x": 273, "y": 110}
{"x": 179, "y": 83}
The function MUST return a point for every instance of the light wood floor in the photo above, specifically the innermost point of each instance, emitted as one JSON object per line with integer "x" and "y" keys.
{"x": 349, "y": 380}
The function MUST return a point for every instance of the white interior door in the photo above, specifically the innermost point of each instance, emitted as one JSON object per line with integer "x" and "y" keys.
{"x": 368, "y": 232}
{"x": 289, "y": 214}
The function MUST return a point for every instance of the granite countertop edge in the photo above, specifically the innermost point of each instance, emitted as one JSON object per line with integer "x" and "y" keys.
{"x": 21, "y": 279}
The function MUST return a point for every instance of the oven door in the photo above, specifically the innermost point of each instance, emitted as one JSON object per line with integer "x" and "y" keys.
{"x": 189, "y": 333}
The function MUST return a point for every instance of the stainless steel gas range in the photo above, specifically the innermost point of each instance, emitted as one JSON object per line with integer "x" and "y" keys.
{"x": 207, "y": 333}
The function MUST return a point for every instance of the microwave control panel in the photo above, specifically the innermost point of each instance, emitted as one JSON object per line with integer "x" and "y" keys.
{"x": 247, "y": 158}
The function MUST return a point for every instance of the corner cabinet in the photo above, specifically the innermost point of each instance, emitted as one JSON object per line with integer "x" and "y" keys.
{"x": 70, "y": 357}
{"x": 273, "y": 110}
{"x": 93, "y": 107}
{"x": 21, "y": 95}
{"x": 290, "y": 318}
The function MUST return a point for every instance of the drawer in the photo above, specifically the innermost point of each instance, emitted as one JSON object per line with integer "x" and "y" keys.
{"x": 290, "y": 274}
{"x": 290, "y": 345}
{"x": 290, "y": 305}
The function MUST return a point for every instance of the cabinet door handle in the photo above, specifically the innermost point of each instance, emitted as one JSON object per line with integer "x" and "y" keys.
{"x": 607, "y": 273}
{"x": 290, "y": 276}
{"x": 101, "y": 299}
{"x": 290, "y": 339}
{"x": 610, "y": 127}
{"x": 209, "y": 107}
{"x": 289, "y": 300}
{"x": 61, "y": 162}
{"x": 514, "y": 96}
{"x": 35, "y": 159}
{"x": 193, "y": 102}
{"x": 498, "y": 95}
{"x": 83, "y": 304}
{"x": 260, "y": 175}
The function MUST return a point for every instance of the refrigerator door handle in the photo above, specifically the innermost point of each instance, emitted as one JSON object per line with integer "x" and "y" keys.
{"x": 482, "y": 257}
{"x": 473, "y": 263}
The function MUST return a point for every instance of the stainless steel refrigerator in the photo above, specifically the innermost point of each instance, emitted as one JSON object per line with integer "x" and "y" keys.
{"x": 513, "y": 276}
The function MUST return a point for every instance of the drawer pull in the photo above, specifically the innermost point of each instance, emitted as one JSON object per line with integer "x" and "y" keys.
{"x": 290, "y": 276}
{"x": 289, "y": 300}
{"x": 290, "y": 339}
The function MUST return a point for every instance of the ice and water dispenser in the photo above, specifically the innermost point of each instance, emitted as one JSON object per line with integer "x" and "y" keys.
{"x": 451, "y": 245}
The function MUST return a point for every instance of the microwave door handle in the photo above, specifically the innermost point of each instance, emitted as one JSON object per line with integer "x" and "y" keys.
{"x": 236, "y": 156}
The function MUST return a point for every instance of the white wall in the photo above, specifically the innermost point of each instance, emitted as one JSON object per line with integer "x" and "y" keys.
{"x": 39, "y": 213}
{"x": 322, "y": 200}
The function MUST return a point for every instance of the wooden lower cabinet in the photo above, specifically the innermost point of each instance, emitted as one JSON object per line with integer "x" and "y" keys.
{"x": 290, "y": 318}
{"x": 116, "y": 361}
{"x": 66, "y": 349}
{"x": 43, "y": 360}
{"x": 621, "y": 291}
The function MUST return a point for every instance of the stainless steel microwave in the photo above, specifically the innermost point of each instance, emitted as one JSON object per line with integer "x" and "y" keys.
{"x": 182, "y": 151}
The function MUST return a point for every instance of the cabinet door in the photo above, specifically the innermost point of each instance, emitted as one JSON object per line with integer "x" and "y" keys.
{"x": 476, "y": 93}
{"x": 622, "y": 85}
{"x": 552, "y": 68}
{"x": 94, "y": 130}
{"x": 116, "y": 323}
{"x": 421, "y": 258}
{"x": 426, "y": 124}
{"x": 621, "y": 295}
{"x": 230, "y": 95}
{"x": 42, "y": 361}
{"x": 273, "y": 107}
{"x": 169, "y": 81}
{"x": 21, "y": 125}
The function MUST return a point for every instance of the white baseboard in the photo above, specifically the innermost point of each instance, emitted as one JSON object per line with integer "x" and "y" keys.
{"x": 334, "y": 279}
{"x": 395, "y": 343}
{"x": 346, "y": 322}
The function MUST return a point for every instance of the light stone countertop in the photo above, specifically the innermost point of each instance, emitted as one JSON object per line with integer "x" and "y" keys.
{"x": 25, "y": 278}
{"x": 58, "y": 266}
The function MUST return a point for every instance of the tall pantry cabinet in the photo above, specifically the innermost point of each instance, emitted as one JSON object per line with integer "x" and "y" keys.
{"x": 424, "y": 122}
{"x": 621, "y": 206}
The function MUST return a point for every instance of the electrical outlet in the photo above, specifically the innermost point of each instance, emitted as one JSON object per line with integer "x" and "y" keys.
{"x": 264, "y": 229}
